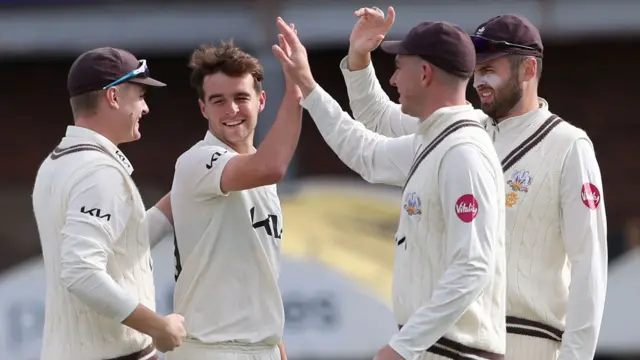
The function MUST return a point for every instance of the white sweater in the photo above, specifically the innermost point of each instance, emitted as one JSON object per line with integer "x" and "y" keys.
{"x": 449, "y": 270}
{"x": 95, "y": 246}
{"x": 555, "y": 219}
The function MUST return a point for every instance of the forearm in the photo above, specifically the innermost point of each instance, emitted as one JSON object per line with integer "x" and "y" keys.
{"x": 283, "y": 353}
{"x": 584, "y": 311}
{"x": 159, "y": 224}
{"x": 356, "y": 60}
{"x": 459, "y": 287}
{"x": 97, "y": 290}
{"x": 376, "y": 158}
{"x": 279, "y": 144}
{"x": 145, "y": 321}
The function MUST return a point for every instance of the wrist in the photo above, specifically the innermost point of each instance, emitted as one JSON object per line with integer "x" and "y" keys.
{"x": 357, "y": 60}
{"x": 307, "y": 85}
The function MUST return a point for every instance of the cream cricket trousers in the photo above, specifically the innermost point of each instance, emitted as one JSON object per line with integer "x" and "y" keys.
{"x": 522, "y": 347}
{"x": 197, "y": 351}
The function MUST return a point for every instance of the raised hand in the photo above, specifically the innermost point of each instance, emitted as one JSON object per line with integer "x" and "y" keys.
{"x": 370, "y": 30}
{"x": 290, "y": 85}
{"x": 293, "y": 58}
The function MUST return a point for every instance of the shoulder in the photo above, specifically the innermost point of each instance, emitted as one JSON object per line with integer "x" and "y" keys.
{"x": 198, "y": 153}
{"x": 102, "y": 174}
{"x": 566, "y": 131}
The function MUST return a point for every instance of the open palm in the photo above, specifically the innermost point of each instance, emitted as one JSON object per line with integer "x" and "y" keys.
{"x": 371, "y": 28}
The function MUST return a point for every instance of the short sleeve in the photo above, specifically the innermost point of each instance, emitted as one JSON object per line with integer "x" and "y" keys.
{"x": 202, "y": 168}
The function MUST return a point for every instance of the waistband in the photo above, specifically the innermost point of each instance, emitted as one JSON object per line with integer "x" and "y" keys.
{"x": 520, "y": 326}
{"x": 457, "y": 351}
{"x": 230, "y": 345}
{"x": 148, "y": 353}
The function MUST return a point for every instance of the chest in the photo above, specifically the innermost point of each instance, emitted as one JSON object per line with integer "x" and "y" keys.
{"x": 420, "y": 206}
{"x": 264, "y": 211}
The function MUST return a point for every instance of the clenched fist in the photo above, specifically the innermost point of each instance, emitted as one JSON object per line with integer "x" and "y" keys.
{"x": 171, "y": 335}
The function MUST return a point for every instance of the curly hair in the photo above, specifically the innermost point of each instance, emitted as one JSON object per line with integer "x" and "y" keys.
{"x": 226, "y": 58}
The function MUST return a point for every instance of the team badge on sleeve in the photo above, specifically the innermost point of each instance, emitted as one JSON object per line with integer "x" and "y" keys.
{"x": 590, "y": 196}
{"x": 467, "y": 208}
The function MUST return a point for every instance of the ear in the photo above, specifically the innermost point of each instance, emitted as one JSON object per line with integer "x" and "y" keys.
{"x": 530, "y": 67}
{"x": 111, "y": 95}
{"x": 262, "y": 99}
{"x": 427, "y": 73}
{"x": 201, "y": 105}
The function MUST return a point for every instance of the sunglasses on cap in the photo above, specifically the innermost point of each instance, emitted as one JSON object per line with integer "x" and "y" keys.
{"x": 141, "y": 71}
{"x": 483, "y": 44}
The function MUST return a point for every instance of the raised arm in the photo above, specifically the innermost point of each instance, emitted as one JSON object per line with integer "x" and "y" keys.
{"x": 584, "y": 231}
{"x": 472, "y": 248}
{"x": 214, "y": 171}
{"x": 374, "y": 157}
{"x": 369, "y": 103}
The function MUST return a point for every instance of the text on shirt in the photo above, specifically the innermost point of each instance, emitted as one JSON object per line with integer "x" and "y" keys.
{"x": 467, "y": 208}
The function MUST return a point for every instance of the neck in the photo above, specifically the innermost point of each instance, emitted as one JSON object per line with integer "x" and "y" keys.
{"x": 242, "y": 147}
{"x": 441, "y": 100}
{"x": 92, "y": 123}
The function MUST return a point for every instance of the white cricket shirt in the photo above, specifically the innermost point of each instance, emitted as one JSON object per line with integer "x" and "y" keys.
{"x": 449, "y": 270}
{"x": 227, "y": 252}
{"x": 94, "y": 233}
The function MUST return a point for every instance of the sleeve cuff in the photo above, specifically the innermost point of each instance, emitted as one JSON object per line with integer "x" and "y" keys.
{"x": 312, "y": 99}
{"x": 402, "y": 350}
{"x": 357, "y": 74}
{"x": 126, "y": 308}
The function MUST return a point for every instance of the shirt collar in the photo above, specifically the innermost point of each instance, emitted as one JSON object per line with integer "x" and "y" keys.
{"x": 443, "y": 114}
{"x": 92, "y": 136}
{"x": 210, "y": 139}
{"x": 523, "y": 120}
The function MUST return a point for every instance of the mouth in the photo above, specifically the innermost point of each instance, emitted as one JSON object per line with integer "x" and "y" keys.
{"x": 233, "y": 123}
{"x": 486, "y": 95}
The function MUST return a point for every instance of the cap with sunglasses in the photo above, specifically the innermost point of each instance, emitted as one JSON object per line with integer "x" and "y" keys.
{"x": 101, "y": 68}
{"x": 442, "y": 44}
{"x": 507, "y": 34}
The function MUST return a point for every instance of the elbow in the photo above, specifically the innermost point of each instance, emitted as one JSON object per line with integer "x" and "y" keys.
{"x": 482, "y": 275}
{"x": 68, "y": 276}
{"x": 72, "y": 273}
{"x": 274, "y": 174}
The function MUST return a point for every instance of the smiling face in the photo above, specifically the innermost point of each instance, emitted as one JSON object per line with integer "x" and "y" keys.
{"x": 128, "y": 107}
{"x": 499, "y": 87}
{"x": 411, "y": 79}
{"x": 231, "y": 105}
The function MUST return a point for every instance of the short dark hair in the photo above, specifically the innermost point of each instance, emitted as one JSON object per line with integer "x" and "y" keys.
{"x": 85, "y": 104}
{"x": 226, "y": 58}
{"x": 517, "y": 60}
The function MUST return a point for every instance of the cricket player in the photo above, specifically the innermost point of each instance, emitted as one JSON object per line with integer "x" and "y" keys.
{"x": 227, "y": 213}
{"x": 449, "y": 271}
{"x": 94, "y": 230}
{"x": 556, "y": 221}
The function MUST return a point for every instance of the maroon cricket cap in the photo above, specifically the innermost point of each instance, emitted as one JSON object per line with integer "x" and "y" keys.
{"x": 98, "y": 68}
{"x": 442, "y": 44}
{"x": 507, "y": 34}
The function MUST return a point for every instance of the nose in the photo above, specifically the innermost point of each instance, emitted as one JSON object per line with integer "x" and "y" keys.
{"x": 145, "y": 108}
{"x": 392, "y": 80}
{"x": 233, "y": 108}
